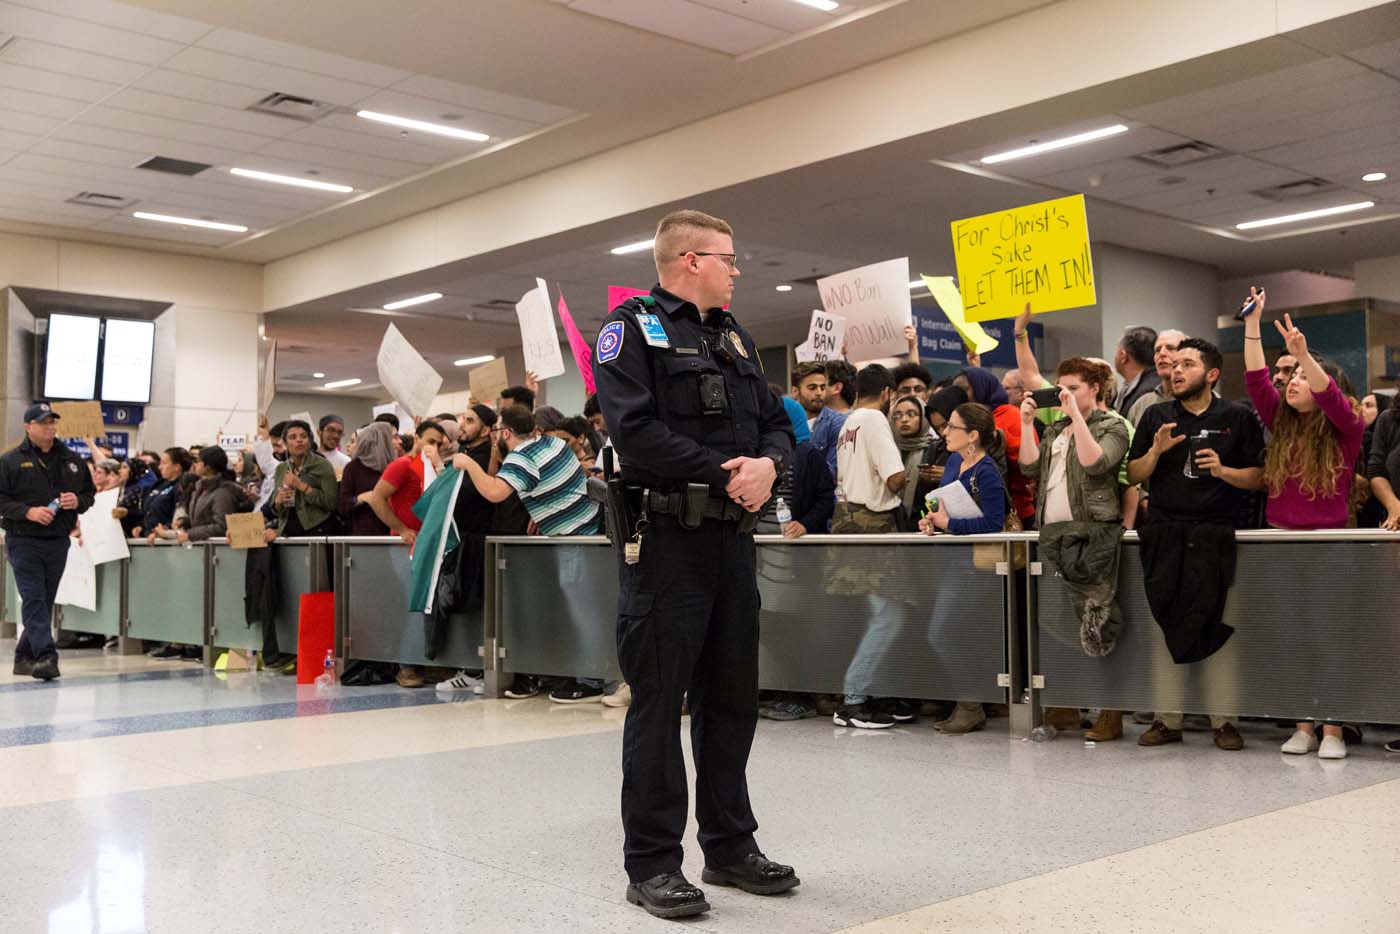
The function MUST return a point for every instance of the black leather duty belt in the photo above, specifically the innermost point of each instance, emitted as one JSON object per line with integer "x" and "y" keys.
{"x": 674, "y": 504}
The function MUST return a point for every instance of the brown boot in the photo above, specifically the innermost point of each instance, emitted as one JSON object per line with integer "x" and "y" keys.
{"x": 1108, "y": 726}
{"x": 1159, "y": 735}
{"x": 1063, "y": 718}
{"x": 968, "y": 718}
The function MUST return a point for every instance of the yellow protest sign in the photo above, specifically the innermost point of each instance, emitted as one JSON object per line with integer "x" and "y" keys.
{"x": 1038, "y": 253}
{"x": 946, "y": 294}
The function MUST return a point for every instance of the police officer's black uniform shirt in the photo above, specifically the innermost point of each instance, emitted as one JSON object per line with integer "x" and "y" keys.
{"x": 29, "y": 477}
{"x": 681, "y": 394}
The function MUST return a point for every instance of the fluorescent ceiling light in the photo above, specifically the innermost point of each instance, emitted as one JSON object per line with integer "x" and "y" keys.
{"x": 415, "y": 300}
{"x": 1306, "y": 215}
{"x": 1054, "y": 144}
{"x": 318, "y": 376}
{"x": 473, "y": 361}
{"x": 1374, "y": 177}
{"x": 637, "y": 247}
{"x": 917, "y": 284}
{"x": 783, "y": 288}
{"x": 343, "y": 383}
{"x": 289, "y": 180}
{"x": 408, "y": 123}
{"x": 188, "y": 221}
{"x": 826, "y": 6}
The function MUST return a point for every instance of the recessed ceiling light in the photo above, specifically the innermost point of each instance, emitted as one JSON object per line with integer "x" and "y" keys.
{"x": 408, "y": 123}
{"x": 826, "y": 6}
{"x": 415, "y": 300}
{"x": 318, "y": 376}
{"x": 637, "y": 247}
{"x": 289, "y": 180}
{"x": 343, "y": 383}
{"x": 1054, "y": 144}
{"x": 188, "y": 221}
{"x": 473, "y": 361}
{"x": 1374, "y": 177}
{"x": 783, "y": 288}
{"x": 1306, "y": 215}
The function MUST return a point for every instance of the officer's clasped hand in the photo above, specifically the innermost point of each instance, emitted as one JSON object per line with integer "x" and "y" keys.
{"x": 750, "y": 481}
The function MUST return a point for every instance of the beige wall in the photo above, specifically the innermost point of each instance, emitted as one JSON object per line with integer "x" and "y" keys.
{"x": 1379, "y": 278}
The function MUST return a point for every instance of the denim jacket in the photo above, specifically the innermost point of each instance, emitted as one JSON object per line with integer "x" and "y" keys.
{"x": 1093, "y": 490}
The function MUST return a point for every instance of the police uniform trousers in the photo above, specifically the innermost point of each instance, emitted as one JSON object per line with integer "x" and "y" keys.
{"x": 688, "y": 629}
{"x": 38, "y": 566}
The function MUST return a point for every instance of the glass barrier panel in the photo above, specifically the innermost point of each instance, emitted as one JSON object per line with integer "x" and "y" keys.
{"x": 107, "y": 618}
{"x": 165, "y": 595}
{"x": 377, "y": 620}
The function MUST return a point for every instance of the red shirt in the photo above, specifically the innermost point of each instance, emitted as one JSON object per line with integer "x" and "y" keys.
{"x": 1008, "y": 419}
{"x": 405, "y": 475}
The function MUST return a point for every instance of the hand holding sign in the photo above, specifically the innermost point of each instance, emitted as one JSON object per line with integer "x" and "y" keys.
{"x": 825, "y": 337}
{"x": 538, "y": 340}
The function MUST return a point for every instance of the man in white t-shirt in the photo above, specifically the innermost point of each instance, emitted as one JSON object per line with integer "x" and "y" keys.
{"x": 869, "y": 467}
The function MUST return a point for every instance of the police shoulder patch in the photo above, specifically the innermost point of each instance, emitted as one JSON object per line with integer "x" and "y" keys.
{"x": 610, "y": 341}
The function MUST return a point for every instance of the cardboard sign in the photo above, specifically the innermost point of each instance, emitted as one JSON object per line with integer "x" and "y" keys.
{"x": 948, "y": 298}
{"x": 874, "y": 300}
{"x": 824, "y": 336}
{"x": 79, "y": 419}
{"x": 403, "y": 371}
{"x": 1038, "y": 253}
{"x": 488, "y": 381}
{"x": 245, "y": 530}
{"x": 539, "y": 341}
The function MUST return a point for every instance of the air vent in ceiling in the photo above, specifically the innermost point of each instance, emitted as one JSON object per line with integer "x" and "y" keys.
{"x": 292, "y": 106}
{"x": 1181, "y": 154}
{"x": 1291, "y": 191}
{"x": 173, "y": 166}
{"x": 96, "y": 199}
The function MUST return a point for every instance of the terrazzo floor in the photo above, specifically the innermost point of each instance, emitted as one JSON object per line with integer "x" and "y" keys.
{"x": 144, "y": 796}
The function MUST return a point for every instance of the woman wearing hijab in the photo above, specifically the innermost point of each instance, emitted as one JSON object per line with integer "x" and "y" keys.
{"x": 374, "y": 449}
{"x": 911, "y": 435}
{"x": 985, "y": 388}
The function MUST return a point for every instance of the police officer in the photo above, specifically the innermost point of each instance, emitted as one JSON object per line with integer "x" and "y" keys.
{"x": 700, "y": 438}
{"x": 43, "y": 487}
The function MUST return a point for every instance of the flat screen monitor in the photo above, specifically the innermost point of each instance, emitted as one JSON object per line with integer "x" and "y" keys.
{"x": 70, "y": 357}
{"x": 126, "y": 360}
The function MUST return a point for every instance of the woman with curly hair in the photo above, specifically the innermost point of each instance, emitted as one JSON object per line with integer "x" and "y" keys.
{"x": 1309, "y": 461}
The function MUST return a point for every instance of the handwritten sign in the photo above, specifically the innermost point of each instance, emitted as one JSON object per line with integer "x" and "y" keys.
{"x": 825, "y": 335}
{"x": 79, "y": 419}
{"x": 409, "y": 378}
{"x": 946, "y": 294}
{"x": 245, "y": 530}
{"x": 488, "y": 381}
{"x": 538, "y": 340}
{"x": 874, "y": 300}
{"x": 1038, "y": 253}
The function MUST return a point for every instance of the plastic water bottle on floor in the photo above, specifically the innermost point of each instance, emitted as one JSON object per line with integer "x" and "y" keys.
{"x": 784, "y": 514}
{"x": 1043, "y": 733}
{"x": 326, "y": 679}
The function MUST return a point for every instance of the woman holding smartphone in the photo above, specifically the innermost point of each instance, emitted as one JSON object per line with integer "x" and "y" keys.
{"x": 1308, "y": 463}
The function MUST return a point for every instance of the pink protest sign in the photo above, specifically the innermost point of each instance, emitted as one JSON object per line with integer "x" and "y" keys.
{"x": 617, "y": 294}
{"x": 583, "y": 354}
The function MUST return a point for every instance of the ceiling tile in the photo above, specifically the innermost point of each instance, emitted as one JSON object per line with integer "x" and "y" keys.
{"x": 1136, "y": 141}
{"x": 480, "y": 99}
{"x": 419, "y": 108}
{"x": 144, "y": 143}
{"x": 42, "y": 216}
{"x": 291, "y": 149}
{"x": 152, "y": 230}
{"x": 165, "y": 128}
{"x": 688, "y": 22}
{"x": 210, "y": 64}
{"x": 212, "y": 115}
{"x": 1169, "y": 113}
{"x": 196, "y": 88}
{"x": 49, "y": 57}
{"x": 10, "y": 139}
{"x": 1328, "y": 122}
{"x": 82, "y": 176}
{"x": 1112, "y": 172}
{"x": 387, "y": 146}
{"x": 301, "y": 58}
{"x": 787, "y": 17}
{"x": 1385, "y": 56}
{"x": 26, "y": 122}
{"x": 1365, "y": 138}
{"x": 16, "y": 77}
{"x": 266, "y": 162}
{"x": 123, "y": 16}
{"x": 91, "y": 37}
{"x": 41, "y": 105}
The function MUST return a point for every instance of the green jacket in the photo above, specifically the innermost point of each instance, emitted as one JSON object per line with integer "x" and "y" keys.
{"x": 1093, "y": 490}
{"x": 316, "y": 504}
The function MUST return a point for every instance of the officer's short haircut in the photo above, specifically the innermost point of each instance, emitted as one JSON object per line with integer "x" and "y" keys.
{"x": 519, "y": 395}
{"x": 520, "y": 420}
{"x": 913, "y": 371}
{"x": 1138, "y": 344}
{"x": 873, "y": 380}
{"x": 804, "y": 370}
{"x": 839, "y": 371}
{"x": 676, "y": 234}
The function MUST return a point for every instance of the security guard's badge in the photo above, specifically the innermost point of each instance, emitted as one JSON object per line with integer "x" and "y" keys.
{"x": 738, "y": 343}
{"x": 610, "y": 341}
{"x": 653, "y": 332}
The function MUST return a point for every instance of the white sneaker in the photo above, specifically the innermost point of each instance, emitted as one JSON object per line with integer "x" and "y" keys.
{"x": 622, "y": 697}
{"x": 1300, "y": 743}
{"x": 1333, "y": 747}
{"x": 461, "y": 681}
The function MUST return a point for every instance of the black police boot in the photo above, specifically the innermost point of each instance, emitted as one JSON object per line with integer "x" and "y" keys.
{"x": 668, "y": 895}
{"x": 45, "y": 670}
{"x": 24, "y": 666}
{"x": 757, "y": 874}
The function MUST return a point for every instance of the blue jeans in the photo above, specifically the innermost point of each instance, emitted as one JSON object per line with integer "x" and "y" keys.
{"x": 883, "y": 630}
{"x": 38, "y": 566}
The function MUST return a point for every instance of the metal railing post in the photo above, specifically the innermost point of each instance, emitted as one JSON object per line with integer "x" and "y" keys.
{"x": 207, "y": 651}
{"x": 491, "y": 649}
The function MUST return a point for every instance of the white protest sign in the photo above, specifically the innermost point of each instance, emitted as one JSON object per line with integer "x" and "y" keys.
{"x": 874, "y": 300}
{"x": 825, "y": 335}
{"x": 269, "y": 380}
{"x": 302, "y": 417}
{"x": 78, "y": 585}
{"x": 233, "y": 444}
{"x": 403, "y": 371}
{"x": 103, "y": 537}
{"x": 804, "y": 352}
{"x": 396, "y": 410}
{"x": 538, "y": 339}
